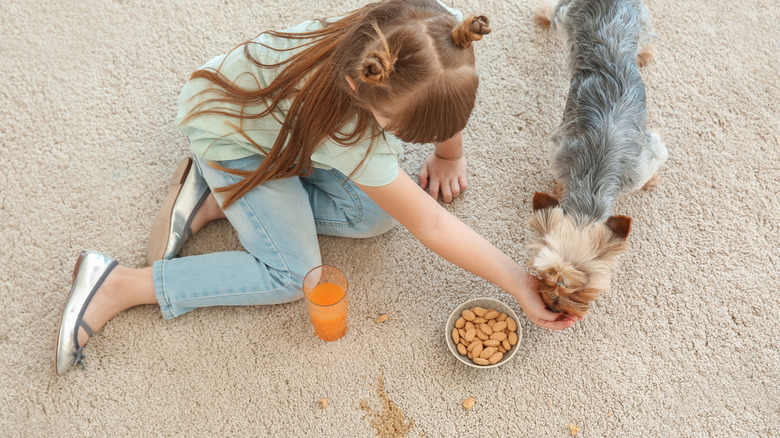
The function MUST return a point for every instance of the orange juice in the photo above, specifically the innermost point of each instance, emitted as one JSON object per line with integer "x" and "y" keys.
{"x": 328, "y": 311}
{"x": 326, "y": 294}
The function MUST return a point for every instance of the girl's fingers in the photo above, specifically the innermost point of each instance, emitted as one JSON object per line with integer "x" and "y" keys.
{"x": 422, "y": 176}
{"x": 555, "y": 325}
{"x": 545, "y": 314}
{"x": 433, "y": 189}
{"x": 446, "y": 193}
{"x": 455, "y": 188}
{"x": 463, "y": 182}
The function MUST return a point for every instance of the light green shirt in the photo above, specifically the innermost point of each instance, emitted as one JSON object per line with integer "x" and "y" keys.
{"x": 215, "y": 137}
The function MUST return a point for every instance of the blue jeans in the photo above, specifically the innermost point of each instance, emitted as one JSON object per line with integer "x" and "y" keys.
{"x": 277, "y": 223}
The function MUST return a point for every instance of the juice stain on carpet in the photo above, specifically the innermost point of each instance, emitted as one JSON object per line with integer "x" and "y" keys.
{"x": 391, "y": 421}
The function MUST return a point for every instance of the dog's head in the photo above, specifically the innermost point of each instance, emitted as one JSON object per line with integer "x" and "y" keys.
{"x": 574, "y": 262}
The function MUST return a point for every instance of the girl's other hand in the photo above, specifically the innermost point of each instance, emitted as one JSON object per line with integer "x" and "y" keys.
{"x": 527, "y": 294}
{"x": 445, "y": 176}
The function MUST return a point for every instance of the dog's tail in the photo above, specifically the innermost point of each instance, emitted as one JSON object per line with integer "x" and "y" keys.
{"x": 544, "y": 12}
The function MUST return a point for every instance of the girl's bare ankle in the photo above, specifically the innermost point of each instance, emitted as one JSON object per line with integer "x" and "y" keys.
{"x": 114, "y": 290}
{"x": 208, "y": 212}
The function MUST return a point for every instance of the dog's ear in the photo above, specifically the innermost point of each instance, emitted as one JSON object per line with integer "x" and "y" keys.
{"x": 620, "y": 225}
{"x": 543, "y": 200}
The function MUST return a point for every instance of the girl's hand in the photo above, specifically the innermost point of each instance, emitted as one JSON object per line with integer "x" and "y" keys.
{"x": 532, "y": 304}
{"x": 445, "y": 176}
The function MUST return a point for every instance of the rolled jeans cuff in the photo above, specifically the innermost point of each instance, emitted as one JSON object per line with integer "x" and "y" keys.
{"x": 159, "y": 290}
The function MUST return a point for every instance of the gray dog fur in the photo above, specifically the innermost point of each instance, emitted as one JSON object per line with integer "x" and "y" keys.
{"x": 602, "y": 147}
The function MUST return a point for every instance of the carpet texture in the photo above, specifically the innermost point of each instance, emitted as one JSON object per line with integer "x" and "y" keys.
{"x": 685, "y": 345}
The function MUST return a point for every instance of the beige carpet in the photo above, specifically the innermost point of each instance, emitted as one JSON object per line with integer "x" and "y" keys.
{"x": 686, "y": 345}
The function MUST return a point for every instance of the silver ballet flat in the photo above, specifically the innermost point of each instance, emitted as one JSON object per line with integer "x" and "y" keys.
{"x": 91, "y": 270}
{"x": 171, "y": 228}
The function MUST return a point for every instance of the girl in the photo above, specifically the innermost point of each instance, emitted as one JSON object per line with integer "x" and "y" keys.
{"x": 298, "y": 133}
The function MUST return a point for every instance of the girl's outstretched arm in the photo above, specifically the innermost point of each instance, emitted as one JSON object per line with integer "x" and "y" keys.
{"x": 456, "y": 242}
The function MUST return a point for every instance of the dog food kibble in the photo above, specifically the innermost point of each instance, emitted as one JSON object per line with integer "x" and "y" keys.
{"x": 484, "y": 336}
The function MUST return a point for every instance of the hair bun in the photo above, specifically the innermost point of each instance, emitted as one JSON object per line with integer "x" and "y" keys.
{"x": 376, "y": 68}
{"x": 471, "y": 29}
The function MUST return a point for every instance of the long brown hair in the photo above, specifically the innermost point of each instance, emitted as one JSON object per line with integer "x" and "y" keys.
{"x": 414, "y": 64}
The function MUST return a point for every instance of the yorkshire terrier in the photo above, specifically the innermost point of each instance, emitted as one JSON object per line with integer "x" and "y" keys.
{"x": 600, "y": 149}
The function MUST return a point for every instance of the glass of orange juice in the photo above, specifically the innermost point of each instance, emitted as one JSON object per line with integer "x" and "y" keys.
{"x": 325, "y": 289}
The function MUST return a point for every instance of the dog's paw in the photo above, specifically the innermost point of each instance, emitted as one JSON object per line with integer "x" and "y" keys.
{"x": 645, "y": 57}
{"x": 652, "y": 182}
{"x": 543, "y": 12}
{"x": 558, "y": 189}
